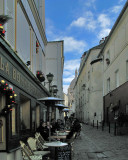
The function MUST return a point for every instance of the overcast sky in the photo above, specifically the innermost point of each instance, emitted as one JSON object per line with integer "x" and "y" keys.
{"x": 81, "y": 24}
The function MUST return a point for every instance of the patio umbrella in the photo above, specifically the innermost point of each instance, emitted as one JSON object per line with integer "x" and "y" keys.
{"x": 50, "y": 102}
{"x": 61, "y": 107}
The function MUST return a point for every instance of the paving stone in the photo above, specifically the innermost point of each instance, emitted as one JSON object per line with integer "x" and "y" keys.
{"x": 96, "y": 144}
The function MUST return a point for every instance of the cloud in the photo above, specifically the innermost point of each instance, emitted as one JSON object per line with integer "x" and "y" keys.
{"x": 71, "y": 65}
{"x": 65, "y": 88}
{"x": 80, "y": 22}
{"x": 86, "y": 21}
{"x": 104, "y": 21}
{"x": 68, "y": 80}
{"x": 67, "y": 73}
{"x": 73, "y": 45}
{"x": 90, "y": 3}
{"x": 116, "y": 9}
{"x": 103, "y": 33}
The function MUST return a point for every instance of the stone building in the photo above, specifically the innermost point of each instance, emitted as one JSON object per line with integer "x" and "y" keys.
{"x": 71, "y": 97}
{"x": 114, "y": 55}
{"x": 88, "y": 88}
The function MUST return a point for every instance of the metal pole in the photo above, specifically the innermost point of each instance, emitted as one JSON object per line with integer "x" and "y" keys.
{"x": 50, "y": 111}
{"x": 93, "y": 123}
{"x": 109, "y": 127}
{"x": 97, "y": 124}
{"x": 102, "y": 125}
{"x": 115, "y": 129}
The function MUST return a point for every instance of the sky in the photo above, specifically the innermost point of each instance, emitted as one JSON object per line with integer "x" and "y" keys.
{"x": 81, "y": 24}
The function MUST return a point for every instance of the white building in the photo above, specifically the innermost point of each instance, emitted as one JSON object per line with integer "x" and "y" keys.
{"x": 55, "y": 65}
{"x": 88, "y": 88}
{"x": 71, "y": 93}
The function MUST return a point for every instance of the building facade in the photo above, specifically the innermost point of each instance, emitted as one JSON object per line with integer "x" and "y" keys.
{"x": 22, "y": 73}
{"x": 115, "y": 70}
{"x": 55, "y": 65}
{"x": 71, "y": 94}
{"x": 88, "y": 88}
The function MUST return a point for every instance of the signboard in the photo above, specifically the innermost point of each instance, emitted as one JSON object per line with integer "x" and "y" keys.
{"x": 63, "y": 153}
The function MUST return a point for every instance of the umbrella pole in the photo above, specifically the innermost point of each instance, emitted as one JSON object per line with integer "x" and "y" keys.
{"x": 50, "y": 112}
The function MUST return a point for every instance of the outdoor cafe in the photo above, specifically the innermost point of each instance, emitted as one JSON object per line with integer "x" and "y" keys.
{"x": 52, "y": 140}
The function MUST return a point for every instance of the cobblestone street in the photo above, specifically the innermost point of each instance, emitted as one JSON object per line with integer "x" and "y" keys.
{"x": 96, "y": 144}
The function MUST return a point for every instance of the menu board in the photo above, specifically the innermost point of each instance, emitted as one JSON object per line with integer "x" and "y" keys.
{"x": 63, "y": 153}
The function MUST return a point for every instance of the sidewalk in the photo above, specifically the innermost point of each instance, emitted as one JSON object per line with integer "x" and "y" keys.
{"x": 96, "y": 144}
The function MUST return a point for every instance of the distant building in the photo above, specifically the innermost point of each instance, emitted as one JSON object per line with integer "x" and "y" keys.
{"x": 71, "y": 97}
{"x": 88, "y": 88}
{"x": 55, "y": 64}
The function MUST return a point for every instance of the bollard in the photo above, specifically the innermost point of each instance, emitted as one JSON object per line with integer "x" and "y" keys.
{"x": 97, "y": 124}
{"x": 102, "y": 126}
{"x": 109, "y": 127}
{"x": 93, "y": 123}
{"x": 115, "y": 129}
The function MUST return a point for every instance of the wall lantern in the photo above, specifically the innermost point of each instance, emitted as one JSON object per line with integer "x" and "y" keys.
{"x": 50, "y": 77}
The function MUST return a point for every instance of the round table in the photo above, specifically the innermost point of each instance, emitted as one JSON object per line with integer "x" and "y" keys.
{"x": 55, "y": 144}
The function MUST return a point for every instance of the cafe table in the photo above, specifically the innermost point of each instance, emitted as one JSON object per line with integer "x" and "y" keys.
{"x": 59, "y": 152}
{"x": 55, "y": 144}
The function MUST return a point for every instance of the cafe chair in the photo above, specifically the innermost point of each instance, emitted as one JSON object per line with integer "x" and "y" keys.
{"x": 32, "y": 143}
{"x": 40, "y": 141}
{"x": 27, "y": 154}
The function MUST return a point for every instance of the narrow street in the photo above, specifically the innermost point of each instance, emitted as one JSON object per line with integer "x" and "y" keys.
{"x": 96, "y": 144}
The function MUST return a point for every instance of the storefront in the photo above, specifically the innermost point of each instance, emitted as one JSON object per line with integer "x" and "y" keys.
{"x": 116, "y": 107}
{"x": 20, "y": 111}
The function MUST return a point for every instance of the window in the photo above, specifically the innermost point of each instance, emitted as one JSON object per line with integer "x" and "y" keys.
{"x": 2, "y": 120}
{"x": 127, "y": 70}
{"x": 108, "y": 85}
{"x": 37, "y": 116}
{"x": 13, "y": 120}
{"x": 117, "y": 78}
{"x": 24, "y": 112}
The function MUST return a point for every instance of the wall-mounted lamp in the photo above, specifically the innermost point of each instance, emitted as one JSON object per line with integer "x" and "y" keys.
{"x": 28, "y": 63}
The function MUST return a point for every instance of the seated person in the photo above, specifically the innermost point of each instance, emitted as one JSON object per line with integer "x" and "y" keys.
{"x": 43, "y": 130}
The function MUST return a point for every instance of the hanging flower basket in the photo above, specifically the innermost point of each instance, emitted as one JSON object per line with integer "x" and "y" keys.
{"x": 40, "y": 76}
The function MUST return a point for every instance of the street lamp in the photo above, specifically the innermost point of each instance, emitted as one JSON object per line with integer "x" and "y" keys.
{"x": 49, "y": 78}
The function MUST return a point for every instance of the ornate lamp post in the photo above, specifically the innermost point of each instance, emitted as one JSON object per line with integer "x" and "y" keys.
{"x": 49, "y": 78}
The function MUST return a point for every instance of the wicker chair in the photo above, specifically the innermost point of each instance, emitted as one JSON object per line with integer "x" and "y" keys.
{"x": 32, "y": 143}
{"x": 28, "y": 154}
{"x": 40, "y": 141}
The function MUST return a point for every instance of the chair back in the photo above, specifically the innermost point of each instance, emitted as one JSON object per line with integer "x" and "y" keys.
{"x": 25, "y": 150}
{"x": 39, "y": 140}
{"x": 32, "y": 143}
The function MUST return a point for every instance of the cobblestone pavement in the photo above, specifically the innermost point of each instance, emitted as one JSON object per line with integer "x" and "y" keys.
{"x": 95, "y": 144}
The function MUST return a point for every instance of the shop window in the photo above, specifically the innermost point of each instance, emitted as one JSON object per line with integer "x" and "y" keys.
{"x": 2, "y": 123}
{"x": 24, "y": 112}
{"x": 13, "y": 120}
{"x": 37, "y": 116}
{"x": 33, "y": 119}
